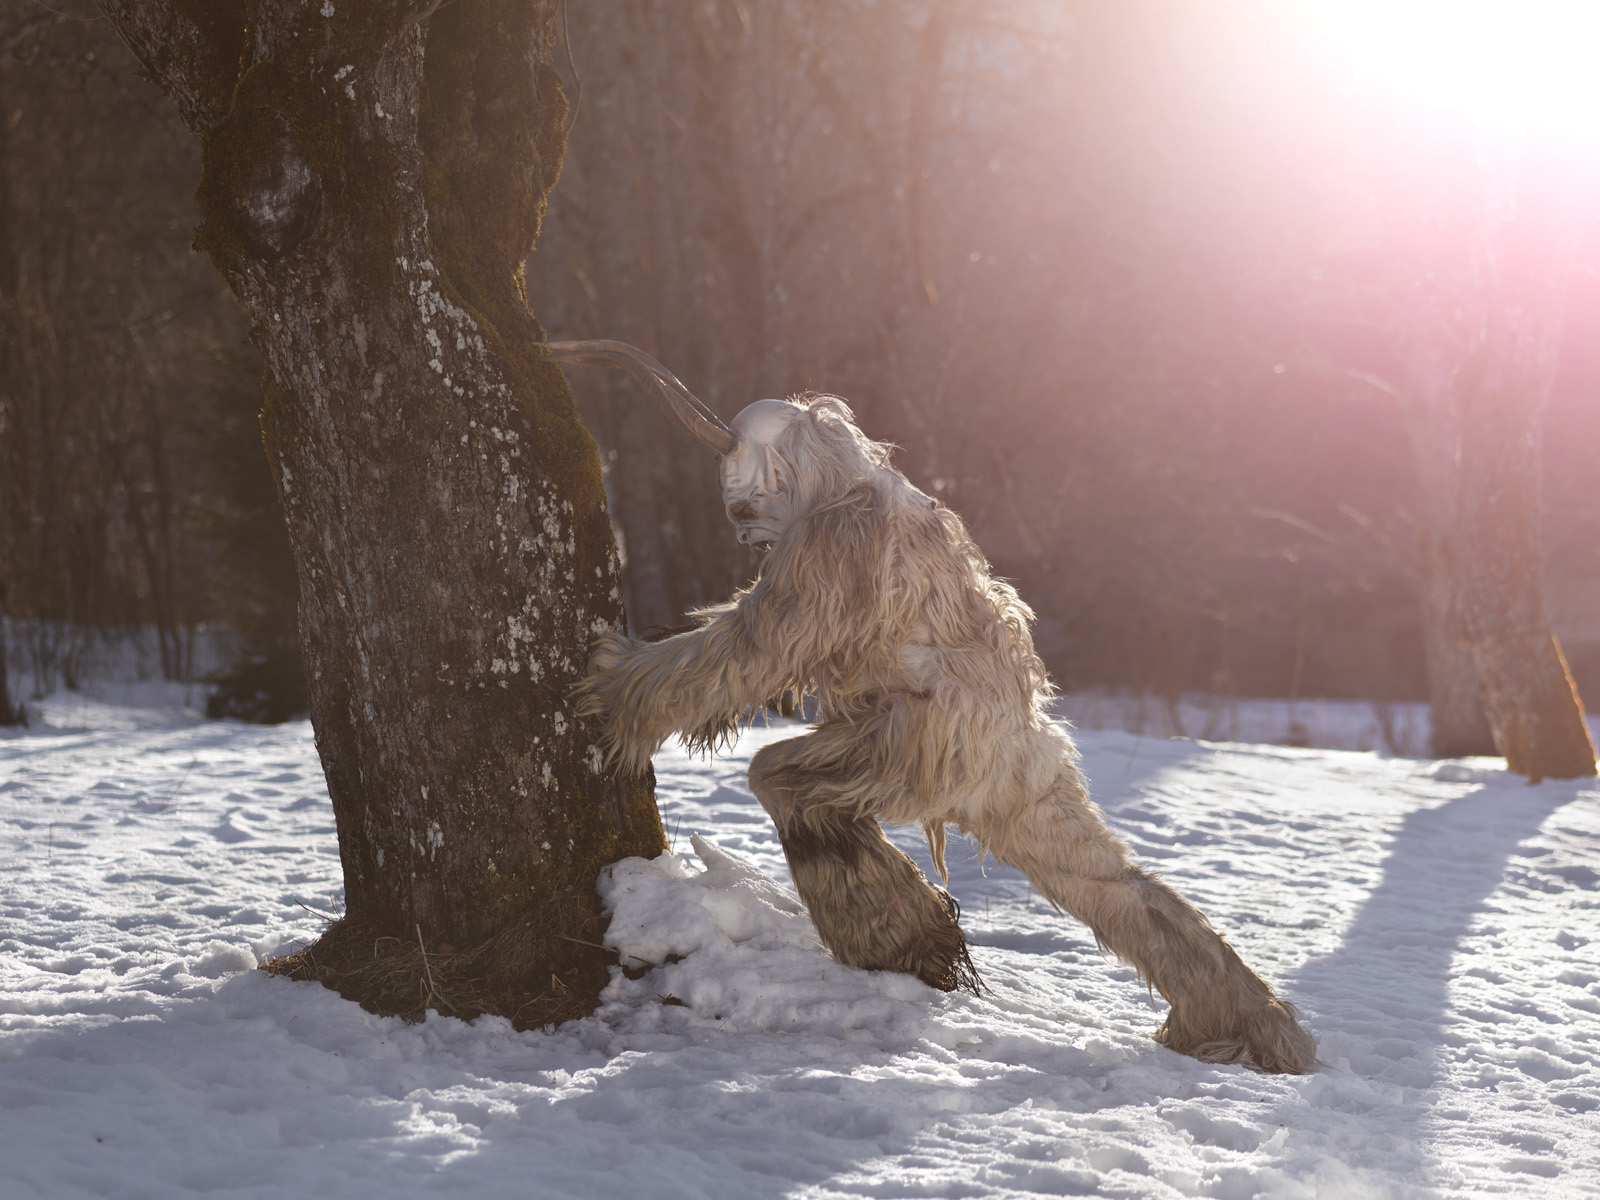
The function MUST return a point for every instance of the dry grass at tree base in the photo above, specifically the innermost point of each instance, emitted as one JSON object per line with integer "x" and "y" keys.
{"x": 538, "y": 972}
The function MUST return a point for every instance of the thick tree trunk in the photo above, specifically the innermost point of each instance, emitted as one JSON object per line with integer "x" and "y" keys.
{"x": 1459, "y": 727}
{"x": 10, "y": 714}
{"x": 1478, "y": 368}
{"x": 1432, "y": 411}
{"x": 1528, "y": 693}
{"x": 373, "y": 176}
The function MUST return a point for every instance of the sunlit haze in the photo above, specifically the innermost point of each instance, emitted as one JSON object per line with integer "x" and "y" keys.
{"x": 1521, "y": 66}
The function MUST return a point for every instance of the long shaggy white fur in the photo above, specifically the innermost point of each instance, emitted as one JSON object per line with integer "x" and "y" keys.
{"x": 932, "y": 700}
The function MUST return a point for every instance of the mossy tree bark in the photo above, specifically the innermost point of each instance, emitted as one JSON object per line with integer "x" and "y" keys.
{"x": 373, "y": 175}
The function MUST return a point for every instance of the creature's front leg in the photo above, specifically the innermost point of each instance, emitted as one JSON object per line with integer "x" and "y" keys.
{"x": 622, "y": 690}
{"x": 871, "y": 905}
{"x": 694, "y": 683}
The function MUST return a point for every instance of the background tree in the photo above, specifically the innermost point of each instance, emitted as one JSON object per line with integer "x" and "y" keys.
{"x": 106, "y": 320}
{"x": 372, "y": 177}
{"x": 11, "y": 712}
{"x": 1462, "y": 251}
{"x": 253, "y": 575}
{"x": 1489, "y": 385}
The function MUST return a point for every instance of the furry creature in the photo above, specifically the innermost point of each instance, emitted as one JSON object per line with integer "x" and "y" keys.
{"x": 873, "y": 597}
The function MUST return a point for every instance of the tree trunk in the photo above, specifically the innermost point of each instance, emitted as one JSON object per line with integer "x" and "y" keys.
{"x": 1528, "y": 694}
{"x": 1485, "y": 325}
{"x": 1432, "y": 410}
{"x": 1458, "y": 725}
{"x": 10, "y": 714}
{"x": 373, "y": 177}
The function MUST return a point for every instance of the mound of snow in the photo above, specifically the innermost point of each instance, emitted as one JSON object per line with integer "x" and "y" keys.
{"x": 730, "y": 948}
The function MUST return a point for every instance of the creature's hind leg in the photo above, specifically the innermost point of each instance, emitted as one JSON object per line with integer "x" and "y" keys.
{"x": 1222, "y": 1011}
{"x": 871, "y": 905}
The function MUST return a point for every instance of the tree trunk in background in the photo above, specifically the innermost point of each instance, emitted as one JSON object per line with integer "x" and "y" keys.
{"x": 1485, "y": 313}
{"x": 1497, "y": 680}
{"x": 1528, "y": 694}
{"x": 1459, "y": 727}
{"x": 373, "y": 177}
{"x": 10, "y": 714}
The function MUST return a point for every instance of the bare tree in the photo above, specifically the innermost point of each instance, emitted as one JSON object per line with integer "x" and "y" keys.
{"x": 1479, "y": 307}
{"x": 11, "y": 713}
{"x": 373, "y": 176}
{"x": 1427, "y": 398}
{"x": 103, "y": 313}
{"x": 1528, "y": 694}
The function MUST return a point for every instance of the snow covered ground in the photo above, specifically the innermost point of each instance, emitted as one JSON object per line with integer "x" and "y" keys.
{"x": 1437, "y": 923}
{"x": 1390, "y": 727}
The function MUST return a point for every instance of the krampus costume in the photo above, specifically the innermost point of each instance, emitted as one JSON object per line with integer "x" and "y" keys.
{"x": 873, "y": 598}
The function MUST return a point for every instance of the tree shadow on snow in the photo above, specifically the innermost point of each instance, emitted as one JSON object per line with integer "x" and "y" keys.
{"x": 1381, "y": 1000}
{"x": 1389, "y": 979}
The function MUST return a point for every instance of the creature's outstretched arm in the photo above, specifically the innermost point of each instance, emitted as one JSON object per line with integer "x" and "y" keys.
{"x": 768, "y": 638}
{"x": 696, "y": 683}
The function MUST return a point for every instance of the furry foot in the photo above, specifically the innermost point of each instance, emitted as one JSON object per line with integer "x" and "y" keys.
{"x": 943, "y": 960}
{"x": 1270, "y": 1038}
{"x": 871, "y": 905}
{"x": 917, "y": 933}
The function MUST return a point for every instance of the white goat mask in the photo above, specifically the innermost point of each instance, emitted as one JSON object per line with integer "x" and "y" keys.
{"x": 758, "y": 489}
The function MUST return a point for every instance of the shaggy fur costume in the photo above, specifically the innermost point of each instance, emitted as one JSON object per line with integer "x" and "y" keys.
{"x": 932, "y": 699}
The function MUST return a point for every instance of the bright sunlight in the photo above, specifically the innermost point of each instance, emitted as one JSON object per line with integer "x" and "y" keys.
{"x": 1525, "y": 67}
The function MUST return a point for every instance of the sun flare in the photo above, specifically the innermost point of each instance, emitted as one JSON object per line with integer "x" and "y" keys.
{"x": 1527, "y": 67}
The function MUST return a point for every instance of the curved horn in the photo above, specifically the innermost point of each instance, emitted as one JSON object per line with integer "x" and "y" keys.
{"x": 656, "y": 380}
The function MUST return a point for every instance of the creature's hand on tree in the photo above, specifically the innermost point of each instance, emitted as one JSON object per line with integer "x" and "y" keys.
{"x": 616, "y": 689}
{"x": 643, "y": 692}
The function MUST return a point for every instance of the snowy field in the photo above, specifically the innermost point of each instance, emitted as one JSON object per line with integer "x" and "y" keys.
{"x": 1396, "y": 728}
{"x": 1437, "y": 923}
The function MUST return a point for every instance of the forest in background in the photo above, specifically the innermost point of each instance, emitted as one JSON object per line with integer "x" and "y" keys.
{"x": 1115, "y": 276}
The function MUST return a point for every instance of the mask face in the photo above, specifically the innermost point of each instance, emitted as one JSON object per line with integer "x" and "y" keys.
{"x": 757, "y": 494}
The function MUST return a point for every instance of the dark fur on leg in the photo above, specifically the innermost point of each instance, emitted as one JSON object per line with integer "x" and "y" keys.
{"x": 963, "y": 973}
{"x": 871, "y": 905}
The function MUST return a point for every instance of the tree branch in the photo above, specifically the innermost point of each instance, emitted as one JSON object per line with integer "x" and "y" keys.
{"x": 192, "y": 50}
